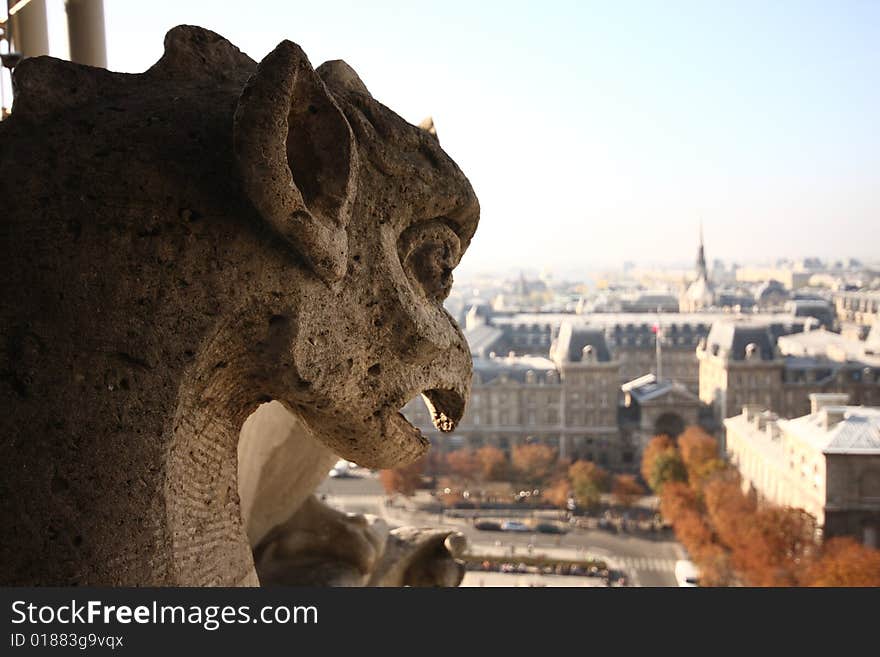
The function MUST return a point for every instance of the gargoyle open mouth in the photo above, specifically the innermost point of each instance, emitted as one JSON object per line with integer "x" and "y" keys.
{"x": 446, "y": 408}
{"x": 405, "y": 442}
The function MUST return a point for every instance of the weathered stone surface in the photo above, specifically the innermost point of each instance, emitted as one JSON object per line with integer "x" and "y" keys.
{"x": 181, "y": 246}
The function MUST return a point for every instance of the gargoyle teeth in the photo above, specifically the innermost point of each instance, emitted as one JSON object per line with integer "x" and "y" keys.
{"x": 446, "y": 408}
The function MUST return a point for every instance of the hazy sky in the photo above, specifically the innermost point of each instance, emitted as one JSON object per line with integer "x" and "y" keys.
{"x": 600, "y": 132}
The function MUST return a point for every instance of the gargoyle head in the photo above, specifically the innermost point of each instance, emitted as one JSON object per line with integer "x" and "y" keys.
{"x": 381, "y": 215}
{"x": 183, "y": 245}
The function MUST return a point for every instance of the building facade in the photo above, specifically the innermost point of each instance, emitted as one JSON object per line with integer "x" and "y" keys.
{"x": 858, "y": 307}
{"x": 741, "y": 364}
{"x": 826, "y": 462}
{"x": 651, "y": 407}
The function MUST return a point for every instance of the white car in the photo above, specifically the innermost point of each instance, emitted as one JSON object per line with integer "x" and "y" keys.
{"x": 686, "y": 573}
{"x": 514, "y": 526}
{"x": 341, "y": 469}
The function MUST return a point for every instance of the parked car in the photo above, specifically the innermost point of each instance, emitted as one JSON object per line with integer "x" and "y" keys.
{"x": 488, "y": 526}
{"x": 341, "y": 469}
{"x": 549, "y": 528}
{"x": 514, "y": 526}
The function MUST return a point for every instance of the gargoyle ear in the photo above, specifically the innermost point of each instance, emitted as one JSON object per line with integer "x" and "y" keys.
{"x": 297, "y": 158}
{"x": 336, "y": 74}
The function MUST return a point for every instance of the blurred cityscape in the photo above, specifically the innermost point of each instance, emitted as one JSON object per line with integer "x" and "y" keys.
{"x": 761, "y": 380}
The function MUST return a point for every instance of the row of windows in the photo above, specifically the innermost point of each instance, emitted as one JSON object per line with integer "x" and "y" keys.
{"x": 532, "y": 419}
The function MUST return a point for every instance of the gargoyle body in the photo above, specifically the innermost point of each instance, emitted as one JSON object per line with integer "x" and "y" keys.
{"x": 181, "y": 247}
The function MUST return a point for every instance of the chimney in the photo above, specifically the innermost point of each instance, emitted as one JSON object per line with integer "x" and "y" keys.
{"x": 832, "y": 416}
{"x": 819, "y": 400}
{"x": 750, "y": 411}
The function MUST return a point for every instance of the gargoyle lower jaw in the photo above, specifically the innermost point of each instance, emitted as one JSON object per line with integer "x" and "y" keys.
{"x": 388, "y": 439}
{"x": 446, "y": 408}
{"x": 403, "y": 443}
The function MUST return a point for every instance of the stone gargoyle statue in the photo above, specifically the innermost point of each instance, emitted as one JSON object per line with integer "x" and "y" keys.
{"x": 218, "y": 278}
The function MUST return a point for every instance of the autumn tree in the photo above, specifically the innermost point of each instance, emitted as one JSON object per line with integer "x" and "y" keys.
{"x": 655, "y": 447}
{"x": 626, "y": 490}
{"x": 588, "y": 482}
{"x": 715, "y": 566}
{"x": 696, "y": 445}
{"x": 493, "y": 464}
{"x": 668, "y": 467}
{"x": 557, "y": 492}
{"x": 728, "y": 508}
{"x": 534, "y": 463}
{"x": 699, "y": 453}
{"x": 403, "y": 480}
{"x": 844, "y": 562}
{"x": 463, "y": 463}
{"x": 676, "y": 499}
{"x": 777, "y": 544}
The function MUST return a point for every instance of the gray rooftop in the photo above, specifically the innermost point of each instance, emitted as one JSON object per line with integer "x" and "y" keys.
{"x": 484, "y": 339}
{"x": 730, "y": 340}
{"x": 858, "y": 432}
{"x": 573, "y": 340}
{"x": 514, "y": 368}
{"x": 645, "y": 388}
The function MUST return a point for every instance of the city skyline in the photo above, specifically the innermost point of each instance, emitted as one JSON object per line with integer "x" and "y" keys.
{"x": 617, "y": 129}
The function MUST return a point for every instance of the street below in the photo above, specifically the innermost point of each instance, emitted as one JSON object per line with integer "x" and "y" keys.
{"x": 645, "y": 559}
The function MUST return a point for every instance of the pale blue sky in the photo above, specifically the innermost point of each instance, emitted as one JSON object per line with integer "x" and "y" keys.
{"x": 597, "y": 132}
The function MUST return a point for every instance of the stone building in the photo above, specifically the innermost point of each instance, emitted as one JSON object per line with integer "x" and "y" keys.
{"x": 858, "y": 307}
{"x": 741, "y": 363}
{"x": 651, "y": 407}
{"x": 631, "y": 337}
{"x": 826, "y": 462}
{"x": 634, "y": 344}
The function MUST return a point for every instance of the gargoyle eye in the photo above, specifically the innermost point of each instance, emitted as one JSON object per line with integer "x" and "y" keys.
{"x": 429, "y": 251}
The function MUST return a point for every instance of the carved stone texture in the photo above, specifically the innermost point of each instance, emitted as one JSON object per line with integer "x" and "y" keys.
{"x": 181, "y": 246}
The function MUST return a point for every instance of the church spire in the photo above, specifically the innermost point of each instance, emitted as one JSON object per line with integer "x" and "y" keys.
{"x": 702, "y": 271}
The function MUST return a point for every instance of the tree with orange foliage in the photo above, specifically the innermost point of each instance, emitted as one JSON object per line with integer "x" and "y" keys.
{"x": 694, "y": 533}
{"x": 677, "y": 499}
{"x": 404, "y": 480}
{"x": 699, "y": 453}
{"x": 715, "y": 566}
{"x": 777, "y": 544}
{"x": 728, "y": 508}
{"x": 558, "y": 492}
{"x": 493, "y": 464}
{"x": 668, "y": 467}
{"x": 626, "y": 490}
{"x": 588, "y": 481}
{"x": 463, "y": 463}
{"x": 844, "y": 562}
{"x": 655, "y": 447}
{"x": 534, "y": 463}
{"x": 680, "y": 504}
